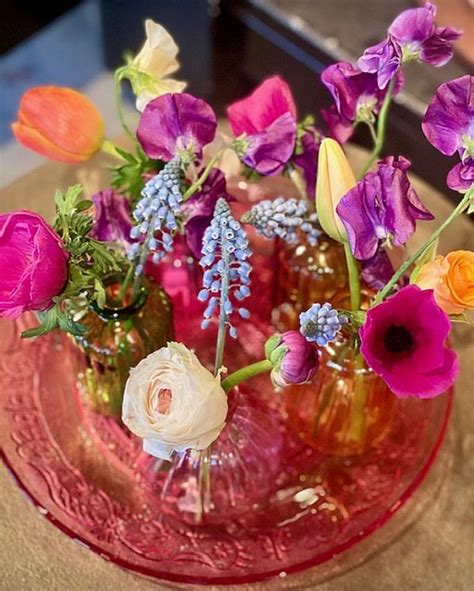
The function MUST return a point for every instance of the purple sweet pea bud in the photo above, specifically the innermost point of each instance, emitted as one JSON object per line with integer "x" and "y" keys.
{"x": 112, "y": 221}
{"x": 294, "y": 359}
{"x": 383, "y": 206}
{"x": 173, "y": 124}
{"x": 356, "y": 95}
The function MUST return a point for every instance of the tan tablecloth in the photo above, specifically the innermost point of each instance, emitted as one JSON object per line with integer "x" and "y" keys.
{"x": 433, "y": 554}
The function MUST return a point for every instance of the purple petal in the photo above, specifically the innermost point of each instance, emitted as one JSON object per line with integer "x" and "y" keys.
{"x": 271, "y": 149}
{"x": 377, "y": 271}
{"x": 414, "y": 24}
{"x": 175, "y": 122}
{"x": 308, "y": 159}
{"x": 338, "y": 128}
{"x": 438, "y": 49}
{"x": 382, "y": 59}
{"x": 383, "y": 205}
{"x": 450, "y": 116}
{"x": 461, "y": 176}
{"x": 112, "y": 222}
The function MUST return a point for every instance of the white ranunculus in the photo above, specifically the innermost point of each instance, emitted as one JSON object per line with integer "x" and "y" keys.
{"x": 173, "y": 402}
{"x": 151, "y": 66}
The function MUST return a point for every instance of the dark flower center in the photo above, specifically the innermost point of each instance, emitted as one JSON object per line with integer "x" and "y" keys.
{"x": 398, "y": 339}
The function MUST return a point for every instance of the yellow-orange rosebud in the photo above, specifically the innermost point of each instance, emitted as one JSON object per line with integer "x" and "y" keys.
{"x": 452, "y": 280}
{"x": 335, "y": 179}
{"x": 59, "y": 123}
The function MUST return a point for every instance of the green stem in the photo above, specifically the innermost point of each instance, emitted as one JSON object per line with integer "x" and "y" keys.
{"x": 298, "y": 181}
{"x": 109, "y": 148}
{"x": 354, "y": 280}
{"x": 462, "y": 205}
{"x": 222, "y": 331}
{"x": 118, "y": 102}
{"x": 358, "y": 418}
{"x": 245, "y": 373}
{"x": 200, "y": 180}
{"x": 126, "y": 283}
{"x": 373, "y": 135}
{"x": 381, "y": 129}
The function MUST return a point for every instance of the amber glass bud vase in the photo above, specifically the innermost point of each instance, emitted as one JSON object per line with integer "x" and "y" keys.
{"x": 306, "y": 274}
{"x": 118, "y": 336}
{"x": 347, "y": 409}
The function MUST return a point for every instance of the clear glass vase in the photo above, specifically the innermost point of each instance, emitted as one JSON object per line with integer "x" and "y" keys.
{"x": 306, "y": 274}
{"x": 233, "y": 477}
{"x": 117, "y": 338}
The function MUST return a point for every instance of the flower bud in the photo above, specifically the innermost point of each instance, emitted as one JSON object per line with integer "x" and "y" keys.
{"x": 293, "y": 358}
{"x": 59, "y": 123}
{"x": 335, "y": 179}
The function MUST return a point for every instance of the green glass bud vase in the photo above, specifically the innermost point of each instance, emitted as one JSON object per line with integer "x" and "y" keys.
{"x": 118, "y": 336}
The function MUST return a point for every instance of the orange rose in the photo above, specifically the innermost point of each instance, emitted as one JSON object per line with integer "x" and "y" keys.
{"x": 59, "y": 123}
{"x": 452, "y": 279}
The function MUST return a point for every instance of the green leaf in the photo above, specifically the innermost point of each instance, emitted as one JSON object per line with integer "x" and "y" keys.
{"x": 84, "y": 205}
{"x": 48, "y": 322}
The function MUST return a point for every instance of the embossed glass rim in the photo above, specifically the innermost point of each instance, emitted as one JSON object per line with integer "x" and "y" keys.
{"x": 268, "y": 576}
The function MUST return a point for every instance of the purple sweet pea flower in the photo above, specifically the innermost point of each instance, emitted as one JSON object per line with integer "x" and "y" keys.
{"x": 307, "y": 160}
{"x": 382, "y": 206}
{"x": 356, "y": 94}
{"x": 294, "y": 359}
{"x": 448, "y": 124}
{"x": 382, "y": 59}
{"x": 412, "y": 36}
{"x": 176, "y": 123}
{"x": 265, "y": 122}
{"x": 199, "y": 209}
{"x": 112, "y": 221}
{"x": 419, "y": 38}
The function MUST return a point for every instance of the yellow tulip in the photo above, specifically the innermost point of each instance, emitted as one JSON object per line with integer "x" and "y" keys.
{"x": 335, "y": 179}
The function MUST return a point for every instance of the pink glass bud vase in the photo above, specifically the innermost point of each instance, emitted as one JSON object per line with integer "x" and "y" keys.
{"x": 233, "y": 477}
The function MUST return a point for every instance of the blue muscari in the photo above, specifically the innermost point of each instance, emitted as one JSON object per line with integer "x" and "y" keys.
{"x": 157, "y": 216}
{"x": 226, "y": 276}
{"x": 321, "y": 323}
{"x": 283, "y": 218}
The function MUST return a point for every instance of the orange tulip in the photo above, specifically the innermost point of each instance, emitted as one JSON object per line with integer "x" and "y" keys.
{"x": 59, "y": 123}
{"x": 452, "y": 279}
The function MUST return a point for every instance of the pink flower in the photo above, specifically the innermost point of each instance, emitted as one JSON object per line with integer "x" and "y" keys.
{"x": 33, "y": 264}
{"x": 267, "y": 119}
{"x": 404, "y": 342}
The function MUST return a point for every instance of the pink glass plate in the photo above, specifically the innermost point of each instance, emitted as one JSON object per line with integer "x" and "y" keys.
{"x": 83, "y": 471}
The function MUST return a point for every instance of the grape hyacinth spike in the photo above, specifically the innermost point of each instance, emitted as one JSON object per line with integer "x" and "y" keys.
{"x": 283, "y": 218}
{"x": 226, "y": 276}
{"x": 157, "y": 216}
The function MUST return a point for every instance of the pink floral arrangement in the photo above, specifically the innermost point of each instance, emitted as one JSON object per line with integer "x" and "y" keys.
{"x": 174, "y": 182}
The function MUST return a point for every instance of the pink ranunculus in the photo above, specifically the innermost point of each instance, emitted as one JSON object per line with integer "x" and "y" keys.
{"x": 294, "y": 359}
{"x": 267, "y": 119}
{"x": 33, "y": 264}
{"x": 404, "y": 342}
